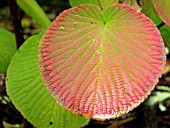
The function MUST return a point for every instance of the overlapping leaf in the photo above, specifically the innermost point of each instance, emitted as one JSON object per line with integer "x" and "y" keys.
{"x": 149, "y": 10}
{"x": 105, "y": 3}
{"x": 135, "y": 3}
{"x": 101, "y": 63}
{"x": 29, "y": 95}
{"x": 7, "y": 49}
{"x": 163, "y": 9}
{"x": 165, "y": 32}
{"x": 74, "y": 3}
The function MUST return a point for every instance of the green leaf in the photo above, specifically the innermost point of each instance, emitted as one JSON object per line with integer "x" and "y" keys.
{"x": 158, "y": 97}
{"x": 101, "y": 63}
{"x": 101, "y": 3}
{"x": 29, "y": 95}
{"x": 7, "y": 49}
{"x": 133, "y": 3}
{"x": 74, "y": 3}
{"x": 165, "y": 32}
{"x": 163, "y": 88}
{"x": 149, "y": 10}
{"x": 162, "y": 7}
{"x": 32, "y": 8}
{"x": 104, "y": 3}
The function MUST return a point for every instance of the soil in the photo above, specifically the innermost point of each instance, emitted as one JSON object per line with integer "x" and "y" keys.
{"x": 144, "y": 116}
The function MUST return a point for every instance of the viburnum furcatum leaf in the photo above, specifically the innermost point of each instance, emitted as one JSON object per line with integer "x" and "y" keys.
{"x": 101, "y": 63}
{"x": 162, "y": 7}
{"x": 7, "y": 49}
{"x": 29, "y": 95}
{"x": 74, "y": 3}
{"x": 105, "y": 3}
{"x": 165, "y": 32}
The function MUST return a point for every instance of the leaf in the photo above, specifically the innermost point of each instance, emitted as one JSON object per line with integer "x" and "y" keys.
{"x": 149, "y": 10}
{"x": 74, "y": 3}
{"x": 158, "y": 98}
{"x": 104, "y": 3}
{"x": 32, "y": 8}
{"x": 101, "y": 64}
{"x": 163, "y": 88}
{"x": 165, "y": 32}
{"x": 7, "y": 49}
{"x": 162, "y": 7}
{"x": 29, "y": 95}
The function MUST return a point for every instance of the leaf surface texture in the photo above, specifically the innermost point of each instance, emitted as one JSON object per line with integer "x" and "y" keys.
{"x": 101, "y": 64}
{"x": 28, "y": 93}
{"x": 7, "y": 49}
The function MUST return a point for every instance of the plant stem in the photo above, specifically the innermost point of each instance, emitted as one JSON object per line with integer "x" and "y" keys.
{"x": 16, "y": 20}
{"x": 160, "y": 25}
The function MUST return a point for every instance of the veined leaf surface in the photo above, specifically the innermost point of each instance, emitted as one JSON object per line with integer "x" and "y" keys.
{"x": 101, "y": 63}
{"x": 163, "y": 9}
{"x": 28, "y": 93}
{"x": 7, "y": 49}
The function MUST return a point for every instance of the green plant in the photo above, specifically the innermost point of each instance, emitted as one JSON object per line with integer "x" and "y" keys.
{"x": 109, "y": 51}
{"x": 32, "y": 8}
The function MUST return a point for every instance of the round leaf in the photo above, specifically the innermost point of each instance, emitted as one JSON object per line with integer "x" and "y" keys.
{"x": 29, "y": 95}
{"x": 163, "y": 9}
{"x": 101, "y": 64}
